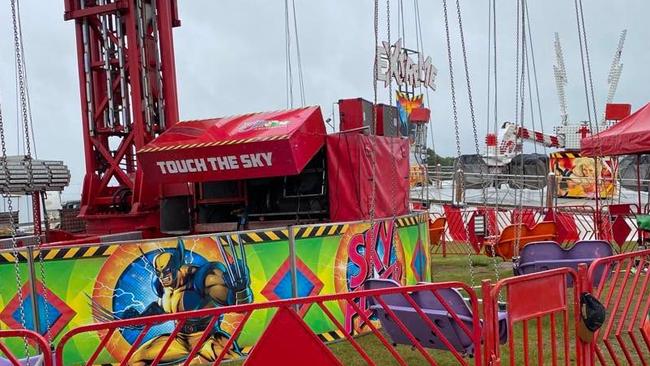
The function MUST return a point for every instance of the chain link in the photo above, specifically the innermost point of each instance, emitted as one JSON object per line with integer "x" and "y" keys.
{"x": 394, "y": 177}
{"x": 18, "y": 49}
{"x": 373, "y": 163}
{"x": 521, "y": 91}
{"x": 474, "y": 128}
{"x": 12, "y": 228}
{"x": 457, "y": 131}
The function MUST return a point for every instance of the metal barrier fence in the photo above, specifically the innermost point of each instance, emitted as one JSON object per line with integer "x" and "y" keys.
{"x": 535, "y": 337}
{"x": 382, "y": 305}
{"x": 540, "y": 321}
{"x": 615, "y": 223}
{"x": 625, "y": 336}
{"x": 43, "y": 355}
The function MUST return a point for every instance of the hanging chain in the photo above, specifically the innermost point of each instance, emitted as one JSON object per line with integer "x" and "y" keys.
{"x": 390, "y": 79}
{"x": 287, "y": 40}
{"x": 493, "y": 39}
{"x": 517, "y": 67}
{"x": 18, "y": 49}
{"x": 373, "y": 163}
{"x": 457, "y": 131}
{"x": 473, "y": 119}
{"x": 298, "y": 55}
{"x": 14, "y": 243}
{"x": 469, "y": 95}
{"x": 520, "y": 116}
{"x": 393, "y": 182}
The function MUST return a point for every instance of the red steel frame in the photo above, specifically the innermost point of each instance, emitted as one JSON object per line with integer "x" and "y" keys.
{"x": 29, "y": 336}
{"x": 106, "y": 330}
{"x": 119, "y": 68}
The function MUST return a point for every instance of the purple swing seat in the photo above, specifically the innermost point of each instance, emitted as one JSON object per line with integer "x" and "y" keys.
{"x": 545, "y": 255}
{"x": 36, "y": 360}
{"x": 435, "y": 311}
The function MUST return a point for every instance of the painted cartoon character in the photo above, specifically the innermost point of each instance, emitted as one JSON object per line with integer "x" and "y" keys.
{"x": 180, "y": 286}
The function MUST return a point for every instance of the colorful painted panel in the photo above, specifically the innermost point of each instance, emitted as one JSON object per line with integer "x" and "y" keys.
{"x": 576, "y": 175}
{"x": 99, "y": 283}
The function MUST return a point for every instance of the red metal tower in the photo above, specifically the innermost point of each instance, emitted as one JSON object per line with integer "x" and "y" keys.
{"x": 127, "y": 83}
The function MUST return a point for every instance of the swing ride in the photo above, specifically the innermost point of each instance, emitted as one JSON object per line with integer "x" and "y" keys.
{"x": 262, "y": 237}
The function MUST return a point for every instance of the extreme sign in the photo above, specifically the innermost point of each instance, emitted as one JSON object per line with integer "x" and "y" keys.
{"x": 268, "y": 144}
{"x": 393, "y": 62}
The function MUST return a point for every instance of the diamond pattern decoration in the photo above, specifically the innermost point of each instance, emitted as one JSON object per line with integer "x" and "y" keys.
{"x": 279, "y": 286}
{"x": 419, "y": 261}
{"x": 621, "y": 230}
{"x": 58, "y": 316}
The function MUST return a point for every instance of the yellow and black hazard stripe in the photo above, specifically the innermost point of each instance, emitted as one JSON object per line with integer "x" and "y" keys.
{"x": 321, "y": 230}
{"x": 257, "y": 236}
{"x": 213, "y": 143}
{"x": 411, "y": 220}
{"x": 564, "y": 154}
{"x": 331, "y": 336}
{"x": 62, "y": 253}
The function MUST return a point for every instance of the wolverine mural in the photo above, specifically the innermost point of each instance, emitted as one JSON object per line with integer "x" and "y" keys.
{"x": 179, "y": 280}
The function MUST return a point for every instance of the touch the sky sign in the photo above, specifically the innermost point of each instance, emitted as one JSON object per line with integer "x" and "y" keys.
{"x": 394, "y": 62}
{"x": 258, "y": 145}
{"x": 215, "y": 163}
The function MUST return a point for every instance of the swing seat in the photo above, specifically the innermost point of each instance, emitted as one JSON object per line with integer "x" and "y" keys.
{"x": 36, "y": 360}
{"x": 546, "y": 255}
{"x": 435, "y": 311}
{"x": 521, "y": 234}
{"x": 436, "y": 229}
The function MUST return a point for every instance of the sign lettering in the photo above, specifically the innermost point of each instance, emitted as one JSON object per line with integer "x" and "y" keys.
{"x": 393, "y": 62}
{"x": 216, "y": 163}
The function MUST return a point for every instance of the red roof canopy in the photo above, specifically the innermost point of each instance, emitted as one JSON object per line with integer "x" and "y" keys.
{"x": 629, "y": 136}
{"x": 249, "y": 146}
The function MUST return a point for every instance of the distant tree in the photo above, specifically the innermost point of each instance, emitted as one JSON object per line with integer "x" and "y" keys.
{"x": 435, "y": 159}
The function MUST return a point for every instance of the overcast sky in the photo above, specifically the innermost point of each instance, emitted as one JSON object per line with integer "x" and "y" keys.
{"x": 230, "y": 59}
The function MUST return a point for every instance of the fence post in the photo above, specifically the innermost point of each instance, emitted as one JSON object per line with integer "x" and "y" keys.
{"x": 459, "y": 188}
{"x": 489, "y": 333}
{"x": 551, "y": 187}
{"x": 292, "y": 262}
{"x": 584, "y": 285}
{"x": 444, "y": 242}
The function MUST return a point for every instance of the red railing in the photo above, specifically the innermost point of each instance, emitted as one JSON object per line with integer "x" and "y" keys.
{"x": 384, "y": 300}
{"x": 624, "y": 338}
{"x": 29, "y": 338}
{"x": 535, "y": 304}
{"x": 541, "y": 316}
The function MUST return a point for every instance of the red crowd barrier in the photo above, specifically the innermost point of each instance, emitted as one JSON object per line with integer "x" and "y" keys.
{"x": 542, "y": 314}
{"x": 533, "y": 301}
{"x": 625, "y": 336}
{"x": 43, "y": 352}
{"x": 302, "y": 348}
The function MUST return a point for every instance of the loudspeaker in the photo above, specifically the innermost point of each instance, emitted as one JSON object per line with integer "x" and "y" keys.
{"x": 354, "y": 114}
{"x": 387, "y": 120}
